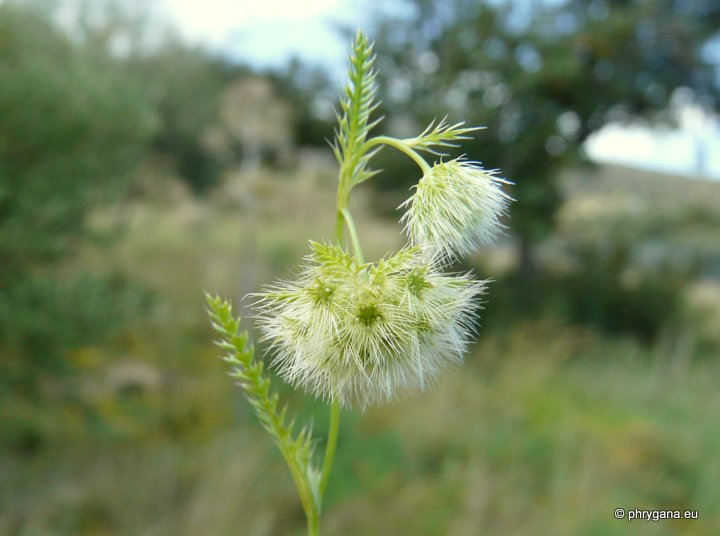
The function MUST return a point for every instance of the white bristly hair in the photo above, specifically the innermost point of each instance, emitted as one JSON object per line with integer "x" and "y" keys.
{"x": 359, "y": 333}
{"x": 455, "y": 207}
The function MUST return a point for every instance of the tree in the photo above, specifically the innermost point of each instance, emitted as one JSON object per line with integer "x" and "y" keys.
{"x": 74, "y": 125}
{"x": 542, "y": 77}
{"x": 185, "y": 85}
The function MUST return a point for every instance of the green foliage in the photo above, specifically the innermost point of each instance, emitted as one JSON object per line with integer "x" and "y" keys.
{"x": 546, "y": 429}
{"x": 74, "y": 125}
{"x": 543, "y": 416}
{"x": 42, "y": 318}
{"x": 185, "y": 85}
{"x": 604, "y": 292}
{"x": 541, "y": 77}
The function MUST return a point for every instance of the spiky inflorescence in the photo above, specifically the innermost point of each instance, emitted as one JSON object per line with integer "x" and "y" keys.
{"x": 357, "y": 104}
{"x": 296, "y": 447}
{"x": 357, "y": 333}
{"x": 455, "y": 207}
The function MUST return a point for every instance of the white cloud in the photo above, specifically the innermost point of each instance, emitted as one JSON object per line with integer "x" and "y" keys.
{"x": 690, "y": 149}
{"x": 263, "y": 32}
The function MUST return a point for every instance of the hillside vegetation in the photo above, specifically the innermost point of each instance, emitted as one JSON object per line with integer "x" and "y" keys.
{"x": 550, "y": 425}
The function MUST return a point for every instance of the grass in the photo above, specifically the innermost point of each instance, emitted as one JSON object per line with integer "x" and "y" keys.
{"x": 545, "y": 430}
{"x": 542, "y": 432}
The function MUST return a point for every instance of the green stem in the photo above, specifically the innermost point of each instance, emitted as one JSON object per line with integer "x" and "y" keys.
{"x": 400, "y": 146}
{"x": 339, "y": 226}
{"x": 313, "y": 525}
{"x": 299, "y": 474}
{"x": 313, "y": 517}
{"x": 353, "y": 234}
{"x": 330, "y": 447}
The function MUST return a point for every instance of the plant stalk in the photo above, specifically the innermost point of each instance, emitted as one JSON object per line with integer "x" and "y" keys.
{"x": 313, "y": 524}
{"x": 400, "y": 146}
{"x": 354, "y": 239}
{"x": 330, "y": 447}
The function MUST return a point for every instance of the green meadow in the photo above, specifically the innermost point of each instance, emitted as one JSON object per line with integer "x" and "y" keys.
{"x": 561, "y": 414}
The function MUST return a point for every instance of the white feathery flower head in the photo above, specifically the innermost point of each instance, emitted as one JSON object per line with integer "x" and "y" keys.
{"x": 455, "y": 207}
{"x": 358, "y": 333}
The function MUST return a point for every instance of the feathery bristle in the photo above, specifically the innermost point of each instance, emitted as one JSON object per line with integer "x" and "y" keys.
{"x": 358, "y": 333}
{"x": 455, "y": 208}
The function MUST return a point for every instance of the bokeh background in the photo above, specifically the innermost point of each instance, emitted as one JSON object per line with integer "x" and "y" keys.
{"x": 150, "y": 151}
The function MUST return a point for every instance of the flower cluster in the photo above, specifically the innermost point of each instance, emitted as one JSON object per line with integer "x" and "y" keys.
{"x": 355, "y": 332}
{"x": 456, "y": 206}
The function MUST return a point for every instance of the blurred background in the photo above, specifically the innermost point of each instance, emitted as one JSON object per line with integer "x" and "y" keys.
{"x": 151, "y": 150}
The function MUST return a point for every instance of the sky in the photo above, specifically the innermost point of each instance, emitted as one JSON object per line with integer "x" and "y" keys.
{"x": 691, "y": 149}
{"x": 268, "y": 33}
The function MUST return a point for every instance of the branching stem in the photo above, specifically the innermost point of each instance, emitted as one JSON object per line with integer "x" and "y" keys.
{"x": 400, "y": 146}
{"x": 354, "y": 239}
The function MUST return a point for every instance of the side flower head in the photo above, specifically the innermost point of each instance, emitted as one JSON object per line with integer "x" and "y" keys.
{"x": 456, "y": 206}
{"x": 358, "y": 333}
